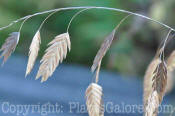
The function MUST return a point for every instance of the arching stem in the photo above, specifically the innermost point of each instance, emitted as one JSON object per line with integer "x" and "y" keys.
{"x": 46, "y": 19}
{"x": 164, "y": 45}
{"x": 75, "y": 16}
{"x": 88, "y": 7}
{"x": 122, "y": 21}
{"x": 23, "y": 24}
{"x": 41, "y": 23}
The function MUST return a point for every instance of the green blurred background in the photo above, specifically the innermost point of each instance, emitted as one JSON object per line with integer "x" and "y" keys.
{"x": 138, "y": 38}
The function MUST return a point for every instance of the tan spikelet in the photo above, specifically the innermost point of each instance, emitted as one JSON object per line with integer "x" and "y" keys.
{"x": 53, "y": 56}
{"x": 153, "y": 104}
{"x": 160, "y": 79}
{"x": 148, "y": 79}
{"x": 94, "y": 100}
{"x": 103, "y": 49}
{"x": 9, "y": 46}
{"x": 159, "y": 82}
{"x": 33, "y": 52}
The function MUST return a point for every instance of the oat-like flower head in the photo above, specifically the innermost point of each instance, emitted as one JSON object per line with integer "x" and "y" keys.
{"x": 153, "y": 97}
{"x": 94, "y": 100}
{"x": 9, "y": 46}
{"x": 33, "y": 52}
{"x": 153, "y": 104}
{"x": 103, "y": 49}
{"x": 54, "y": 55}
{"x": 148, "y": 79}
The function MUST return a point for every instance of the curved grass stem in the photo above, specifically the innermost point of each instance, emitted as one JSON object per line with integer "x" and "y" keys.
{"x": 23, "y": 24}
{"x": 88, "y": 7}
{"x": 46, "y": 19}
{"x": 164, "y": 45}
{"x": 76, "y": 14}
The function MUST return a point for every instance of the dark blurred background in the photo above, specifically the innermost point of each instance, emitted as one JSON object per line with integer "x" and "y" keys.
{"x": 138, "y": 38}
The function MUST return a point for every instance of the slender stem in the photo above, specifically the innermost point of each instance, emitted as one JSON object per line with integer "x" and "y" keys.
{"x": 84, "y": 7}
{"x": 46, "y": 19}
{"x": 122, "y": 21}
{"x": 163, "y": 47}
{"x": 92, "y": 8}
{"x": 167, "y": 38}
{"x": 75, "y": 16}
{"x": 23, "y": 24}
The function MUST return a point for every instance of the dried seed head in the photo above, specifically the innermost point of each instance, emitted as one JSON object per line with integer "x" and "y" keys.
{"x": 159, "y": 82}
{"x": 103, "y": 49}
{"x": 94, "y": 100}
{"x": 160, "y": 78}
{"x": 148, "y": 79}
{"x": 153, "y": 104}
{"x": 33, "y": 52}
{"x": 54, "y": 55}
{"x": 9, "y": 46}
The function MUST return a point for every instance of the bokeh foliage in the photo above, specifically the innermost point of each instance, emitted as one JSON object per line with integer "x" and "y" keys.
{"x": 137, "y": 39}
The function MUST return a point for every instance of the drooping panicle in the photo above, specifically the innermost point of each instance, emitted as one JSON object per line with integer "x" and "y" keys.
{"x": 148, "y": 79}
{"x": 159, "y": 82}
{"x": 53, "y": 56}
{"x": 160, "y": 78}
{"x": 94, "y": 100}
{"x": 9, "y": 46}
{"x": 103, "y": 49}
{"x": 33, "y": 51}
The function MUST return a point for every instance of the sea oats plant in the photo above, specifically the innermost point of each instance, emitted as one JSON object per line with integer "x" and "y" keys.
{"x": 155, "y": 80}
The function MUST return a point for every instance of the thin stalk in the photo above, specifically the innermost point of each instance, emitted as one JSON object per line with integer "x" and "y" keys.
{"x": 163, "y": 47}
{"x": 23, "y": 24}
{"x": 85, "y": 7}
{"x": 75, "y": 16}
{"x": 122, "y": 21}
{"x": 46, "y": 19}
